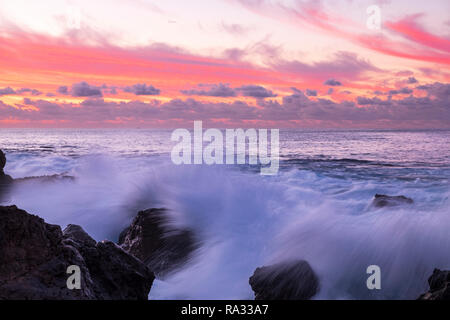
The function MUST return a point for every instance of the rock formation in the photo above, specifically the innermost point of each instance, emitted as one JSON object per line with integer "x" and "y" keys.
{"x": 161, "y": 247}
{"x": 292, "y": 280}
{"x": 439, "y": 283}
{"x": 4, "y": 178}
{"x": 382, "y": 201}
{"x": 35, "y": 256}
{"x": 2, "y": 161}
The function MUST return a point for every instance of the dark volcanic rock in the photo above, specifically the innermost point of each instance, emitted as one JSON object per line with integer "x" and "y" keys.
{"x": 292, "y": 280}
{"x": 161, "y": 247}
{"x": 439, "y": 283}
{"x": 79, "y": 236}
{"x": 116, "y": 274}
{"x": 34, "y": 261}
{"x": 2, "y": 161}
{"x": 35, "y": 256}
{"x": 4, "y": 178}
{"x": 381, "y": 201}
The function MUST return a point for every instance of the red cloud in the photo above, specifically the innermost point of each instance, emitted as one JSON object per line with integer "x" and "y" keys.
{"x": 294, "y": 109}
{"x": 50, "y": 59}
{"x": 411, "y": 30}
{"x": 312, "y": 14}
{"x": 47, "y": 63}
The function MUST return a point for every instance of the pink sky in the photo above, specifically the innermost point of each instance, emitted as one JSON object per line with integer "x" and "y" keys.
{"x": 229, "y": 63}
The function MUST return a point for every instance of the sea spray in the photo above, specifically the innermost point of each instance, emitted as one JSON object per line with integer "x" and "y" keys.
{"x": 317, "y": 208}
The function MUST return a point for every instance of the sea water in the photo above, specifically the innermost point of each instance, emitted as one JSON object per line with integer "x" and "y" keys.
{"x": 316, "y": 208}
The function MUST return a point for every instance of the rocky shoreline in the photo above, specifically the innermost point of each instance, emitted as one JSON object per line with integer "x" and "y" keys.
{"x": 162, "y": 248}
{"x": 35, "y": 257}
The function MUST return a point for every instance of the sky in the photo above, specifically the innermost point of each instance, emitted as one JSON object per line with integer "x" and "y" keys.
{"x": 230, "y": 63}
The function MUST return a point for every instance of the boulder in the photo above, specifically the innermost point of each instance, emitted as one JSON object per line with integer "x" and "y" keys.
{"x": 382, "y": 201}
{"x": 35, "y": 257}
{"x": 439, "y": 283}
{"x": 160, "y": 246}
{"x": 290, "y": 280}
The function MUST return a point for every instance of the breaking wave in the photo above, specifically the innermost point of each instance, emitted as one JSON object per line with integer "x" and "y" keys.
{"x": 310, "y": 211}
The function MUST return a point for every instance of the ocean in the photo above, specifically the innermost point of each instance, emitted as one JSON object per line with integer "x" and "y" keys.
{"x": 316, "y": 208}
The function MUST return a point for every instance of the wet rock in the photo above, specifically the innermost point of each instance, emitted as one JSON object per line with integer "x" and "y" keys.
{"x": 77, "y": 234}
{"x": 2, "y": 161}
{"x": 5, "y": 189}
{"x": 116, "y": 274}
{"x": 33, "y": 261}
{"x": 291, "y": 280}
{"x": 4, "y": 178}
{"x": 152, "y": 240}
{"x": 35, "y": 257}
{"x": 439, "y": 283}
{"x": 382, "y": 201}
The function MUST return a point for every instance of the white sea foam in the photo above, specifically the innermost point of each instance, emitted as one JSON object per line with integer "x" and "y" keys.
{"x": 315, "y": 209}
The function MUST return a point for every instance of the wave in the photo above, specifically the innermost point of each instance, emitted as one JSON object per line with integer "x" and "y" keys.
{"x": 290, "y": 160}
{"x": 246, "y": 220}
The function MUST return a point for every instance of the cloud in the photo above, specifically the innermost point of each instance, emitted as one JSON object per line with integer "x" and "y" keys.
{"x": 162, "y": 64}
{"x": 363, "y": 101}
{"x": 84, "y": 89}
{"x": 112, "y": 90}
{"x": 404, "y": 90}
{"x": 404, "y": 73}
{"x": 213, "y": 90}
{"x": 7, "y": 90}
{"x": 346, "y": 65}
{"x": 224, "y": 90}
{"x": 156, "y": 62}
{"x": 366, "y": 112}
{"x": 292, "y": 110}
{"x": 33, "y": 92}
{"x": 255, "y": 91}
{"x": 409, "y": 28}
{"x": 142, "y": 89}
{"x": 312, "y": 93}
{"x": 63, "y": 90}
{"x": 234, "y": 29}
{"x": 332, "y": 82}
{"x": 438, "y": 90}
{"x": 387, "y": 46}
{"x": 411, "y": 80}
{"x": 418, "y": 43}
